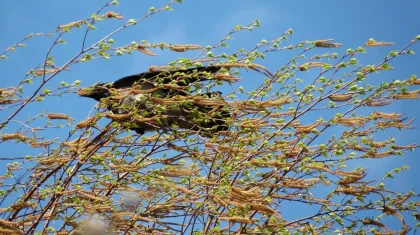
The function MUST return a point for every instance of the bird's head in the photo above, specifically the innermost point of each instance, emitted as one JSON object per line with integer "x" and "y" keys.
{"x": 97, "y": 91}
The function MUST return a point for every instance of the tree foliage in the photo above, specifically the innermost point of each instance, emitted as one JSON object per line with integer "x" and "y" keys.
{"x": 289, "y": 141}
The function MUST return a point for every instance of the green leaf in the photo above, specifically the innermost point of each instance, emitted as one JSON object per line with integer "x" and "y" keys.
{"x": 115, "y": 2}
{"x": 62, "y": 41}
{"x": 353, "y": 61}
{"x": 361, "y": 50}
{"x": 168, "y": 8}
{"x": 152, "y": 9}
{"x": 257, "y": 23}
{"x": 353, "y": 88}
{"x": 46, "y": 91}
{"x": 417, "y": 37}
{"x": 393, "y": 53}
{"x": 131, "y": 21}
{"x": 77, "y": 82}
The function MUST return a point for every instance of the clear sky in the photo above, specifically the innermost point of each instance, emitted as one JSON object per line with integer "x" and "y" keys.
{"x": 351, "y": 23}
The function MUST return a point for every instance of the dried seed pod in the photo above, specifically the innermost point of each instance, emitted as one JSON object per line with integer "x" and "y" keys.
{"x": 415, "y": 82}
{"x": 137, "y": 90}
{"x": 119, "y": 116}
{"x": 287, "y": 113}
{"x": 71, "y": 24}
{"x": 408, "y": 95}
{"x": 309, "y": 65}
{"x": 87, "y": 123}
{"x": 179, "y": 172}
{"x": 143, "y": 49}
{"x": 156, "y": 68}
{"x": 359, "y": 133}
{"x": 356, "y": 191}
{"x": 307, "y": 128}
{"x": 380, "y": 155}
{"x": 320, "y": 168}
{"x": 226, "y": 77}
{"x": 184, "y": 47}
{"x": 372, "y": 43}
{"x": 386, "y": 115}
{"x": 8, "y": 101}
{"x": 327, "y": 43}
{"x": 352, "y": 121}
{"x": 111, "y": 14}
{"x": 35, "y": 144}
{"x": 341, "y": 97}
{"x": 269, "y": 164}
{"x": 396, "y": 123}
{"x": 368, "y": 221}
{"x": 319, "y": 200}
{"x": 14, "y": 136}
{"x": 59, "y": 116}
{"x": 237, "y": 220}
{"x": 378, "y": 102}
{"x": 357, "y": 147}
{"x": 40, "y": 72}
{"x": 404, "y": 146}
{"x": 235, "y": 65}
{"x": 263, "y": 208}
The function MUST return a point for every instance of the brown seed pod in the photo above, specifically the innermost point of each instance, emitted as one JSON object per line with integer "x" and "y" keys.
{"x": 309, "y": 65}
{"x": 59, "y": 116}
{"x": 386, "y": 115}
{"x": 368, "y": 221}
{"x": 378, "y": 102}
{"x": 327, "y": 43}
{"x": 143, "y": 49}
{"x": 111, "y": 14}
{"x": 9, "y": 101}
{"x": 71, "y": 24}
{"x": 352, "y": 121}
{"x": 341, "y": 97}
{"x": 380, "y": 155}
{"x": 397, "y": 147}
{"x": 35, "y": 144}
{"x": 87, "y": 123}
{"x": 119, "y": 116}
{"x": 235, "y": 65}
{"x": 408, "y": 95}
{"x": 226, "y": 77}
{"x": 13, "y": 136}
{"x": 184, "y": 47}
{"x": 40, "y": 72}
{"x": 237, "y": 220}
{"x": 263, "y": 208}
{"x": 373, "y": 43}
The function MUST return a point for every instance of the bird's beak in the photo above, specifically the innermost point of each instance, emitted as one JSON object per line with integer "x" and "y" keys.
{"x": 95, "y": 92}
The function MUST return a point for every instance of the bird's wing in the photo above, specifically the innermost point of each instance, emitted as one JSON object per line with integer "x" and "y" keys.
{"x": 167, "y": 76}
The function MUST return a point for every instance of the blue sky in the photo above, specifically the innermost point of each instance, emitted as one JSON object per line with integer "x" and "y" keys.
{"x": 205, "y": 22}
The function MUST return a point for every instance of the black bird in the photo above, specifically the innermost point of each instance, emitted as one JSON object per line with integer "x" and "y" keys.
{"x": 143, "y": 96}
